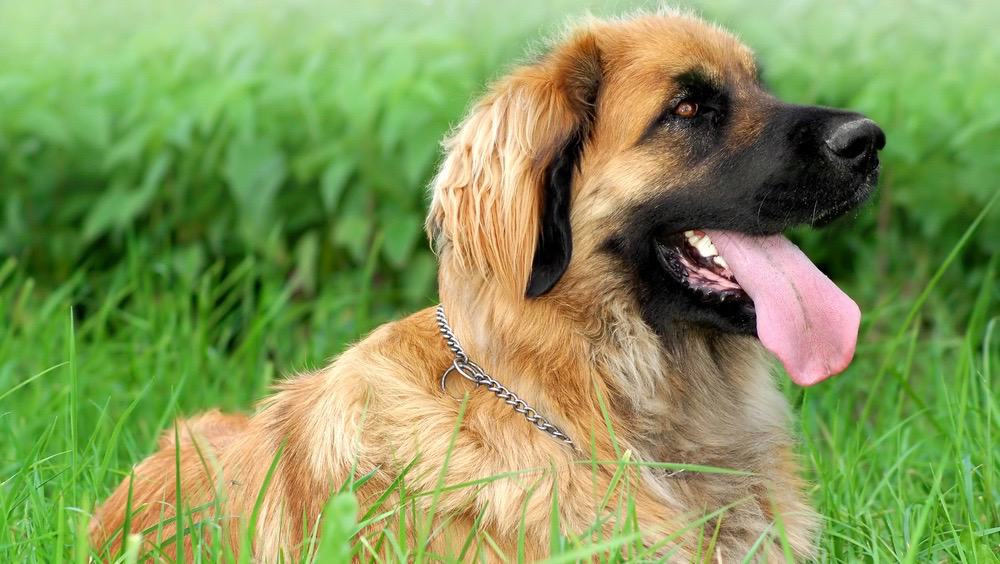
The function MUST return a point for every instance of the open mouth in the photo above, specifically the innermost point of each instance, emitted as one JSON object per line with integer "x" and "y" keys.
{"x": 693, "y": 260}
{"x": 801, "y": 315}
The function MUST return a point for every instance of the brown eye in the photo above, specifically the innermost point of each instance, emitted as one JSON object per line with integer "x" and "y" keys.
{"x": 686, "y": 109}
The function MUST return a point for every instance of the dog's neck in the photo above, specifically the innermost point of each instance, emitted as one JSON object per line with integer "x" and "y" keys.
{"x": 675, "y": 395}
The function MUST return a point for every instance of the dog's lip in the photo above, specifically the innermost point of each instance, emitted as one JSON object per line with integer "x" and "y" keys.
{"x": 861, "y": 193}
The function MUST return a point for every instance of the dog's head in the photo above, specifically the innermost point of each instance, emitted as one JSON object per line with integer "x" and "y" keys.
{"x": 614, "y": 162}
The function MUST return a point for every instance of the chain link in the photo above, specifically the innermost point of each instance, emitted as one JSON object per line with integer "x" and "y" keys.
{"x": 472, "y": 372}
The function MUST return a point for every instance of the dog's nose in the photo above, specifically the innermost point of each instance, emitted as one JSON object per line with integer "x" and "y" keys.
{"x": 856, "y": 139}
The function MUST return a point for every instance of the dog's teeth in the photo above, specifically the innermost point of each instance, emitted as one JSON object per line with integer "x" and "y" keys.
{"x": 706, "y": 248}
{"x": 689, "y": 234}
{"x": 721, "y": 261}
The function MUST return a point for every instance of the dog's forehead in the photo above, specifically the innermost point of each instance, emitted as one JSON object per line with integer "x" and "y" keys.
{"x": 641, "y": 59}
{"x": 661, "y": 47}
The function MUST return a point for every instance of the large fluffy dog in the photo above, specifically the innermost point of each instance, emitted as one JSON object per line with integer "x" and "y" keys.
{"x": 608, "y": 220}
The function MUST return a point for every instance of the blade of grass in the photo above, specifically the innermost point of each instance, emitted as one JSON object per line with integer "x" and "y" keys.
{"x": 246, "y": 539}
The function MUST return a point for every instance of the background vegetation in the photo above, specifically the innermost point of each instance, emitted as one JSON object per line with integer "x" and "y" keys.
{"x": 223, "y": 192}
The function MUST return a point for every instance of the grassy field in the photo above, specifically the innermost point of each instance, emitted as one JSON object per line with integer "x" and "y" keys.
{"x": 199, "y": 198}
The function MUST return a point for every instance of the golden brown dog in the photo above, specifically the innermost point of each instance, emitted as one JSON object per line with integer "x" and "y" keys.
{"x": 608, "y": 222}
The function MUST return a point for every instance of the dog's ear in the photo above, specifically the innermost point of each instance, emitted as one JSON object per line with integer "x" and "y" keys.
{"x": 500, "y": 206}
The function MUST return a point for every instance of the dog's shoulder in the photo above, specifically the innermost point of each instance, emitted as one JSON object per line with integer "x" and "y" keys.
{"x": 385, "y": 377}
{"x": 406, "y": 352}
{"x": 406, "y": 349}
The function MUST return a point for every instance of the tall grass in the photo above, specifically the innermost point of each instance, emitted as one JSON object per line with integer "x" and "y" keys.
{"x": 200, "y": 197}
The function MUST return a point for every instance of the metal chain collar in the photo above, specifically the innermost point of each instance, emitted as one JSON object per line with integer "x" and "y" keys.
{"x": 472, "y": 372}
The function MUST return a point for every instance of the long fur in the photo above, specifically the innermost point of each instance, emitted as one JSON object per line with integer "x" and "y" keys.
{"x": 580, "y": 354}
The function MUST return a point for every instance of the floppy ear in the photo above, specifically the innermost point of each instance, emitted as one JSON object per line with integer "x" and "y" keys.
{"x": 554, "y": 246}
{"x": 500, "y": 207}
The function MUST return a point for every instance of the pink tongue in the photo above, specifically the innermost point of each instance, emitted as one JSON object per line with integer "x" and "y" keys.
{"x": 802, "y": 316}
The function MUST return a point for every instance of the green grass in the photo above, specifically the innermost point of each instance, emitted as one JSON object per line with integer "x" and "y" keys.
{"x": 902, "y": 449}
{"x": 197, "y": 200}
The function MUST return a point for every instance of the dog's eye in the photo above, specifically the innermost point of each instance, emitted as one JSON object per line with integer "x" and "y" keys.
{"x": 686, "y": 109}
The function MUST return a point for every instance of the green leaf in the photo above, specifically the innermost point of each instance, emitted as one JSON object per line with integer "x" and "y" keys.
{"x": 128, "y": 149}
{"x": 188, "y": 262}
{"x": 333, "y": 181}
{"x": 352, "y": 233}
{"x": 401, "y": 232}
{"x": 340, "y": 523}
{"x": 418, "y": 283}
{"x": 46, "y": 124}
{"x": 306, "y": 259}
{"x": 118, "y": 207}
{"x": 254, "y": 170}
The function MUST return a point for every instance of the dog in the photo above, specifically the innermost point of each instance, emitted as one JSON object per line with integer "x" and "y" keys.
{"x": 613, "y": 282}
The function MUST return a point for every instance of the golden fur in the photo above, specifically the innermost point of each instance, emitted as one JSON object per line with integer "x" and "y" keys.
{"x": 379, "y": 407}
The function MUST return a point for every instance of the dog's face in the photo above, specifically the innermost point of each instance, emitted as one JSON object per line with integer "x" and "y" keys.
{"x": 685, "y": 139}
{"x": 614, "y": 154}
